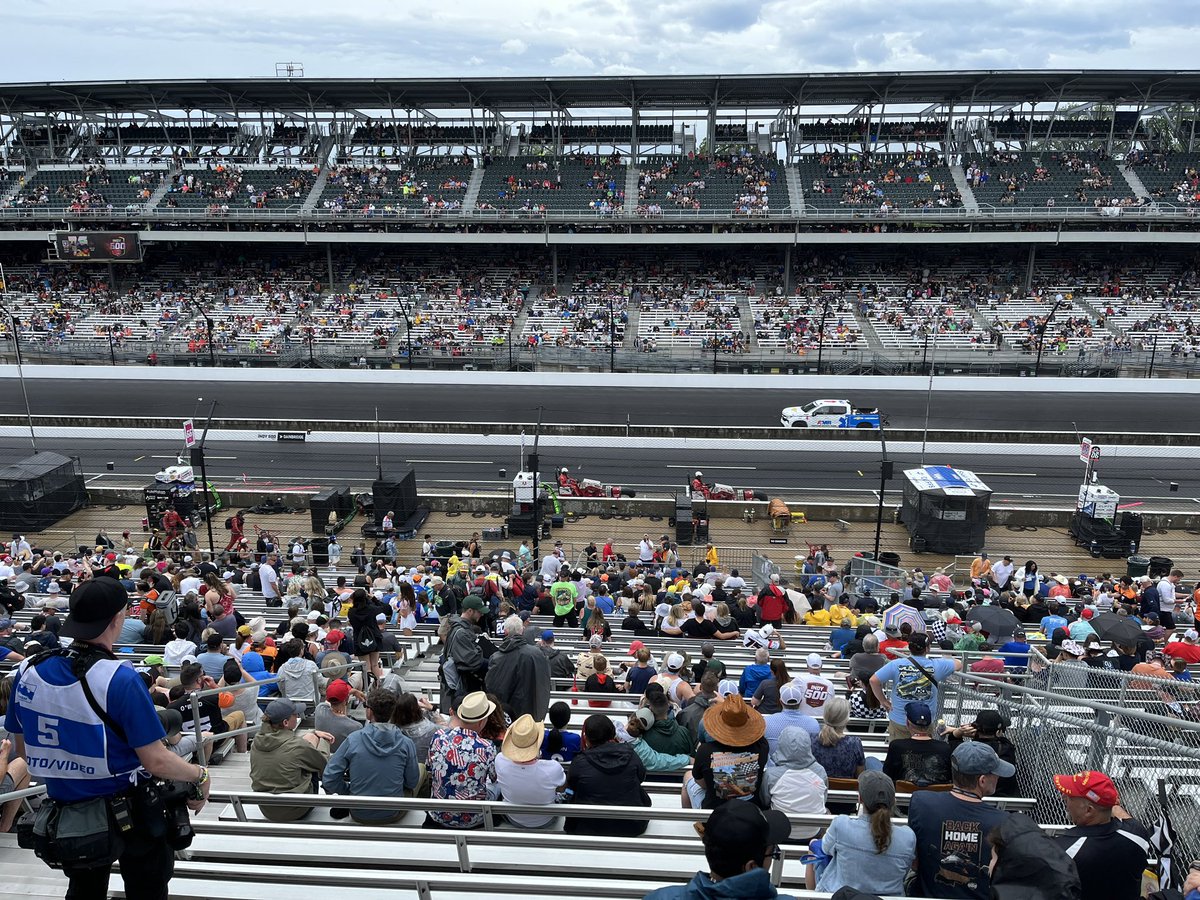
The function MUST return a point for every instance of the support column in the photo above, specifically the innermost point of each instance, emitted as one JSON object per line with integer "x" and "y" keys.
{"x": 787, "y": 270}
{"x": 329, "y": 264}
{"x": 1029, "y": 269}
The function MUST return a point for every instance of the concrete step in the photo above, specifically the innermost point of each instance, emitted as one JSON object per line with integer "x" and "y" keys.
{"x": 471, "y": 197}
{"x": 964, "y": 189}
{"x": 1135, "y": 183}
{"x": 795, "y": 190}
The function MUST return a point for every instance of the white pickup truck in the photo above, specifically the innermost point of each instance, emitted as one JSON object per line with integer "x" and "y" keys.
{"x": 829, "y": 414}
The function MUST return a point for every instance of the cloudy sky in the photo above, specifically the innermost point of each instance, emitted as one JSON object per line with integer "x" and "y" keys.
{"x": 73, "y": 40}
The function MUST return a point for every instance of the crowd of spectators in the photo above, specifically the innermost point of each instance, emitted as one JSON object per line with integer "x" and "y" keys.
{"x": 752, "y": 749}
{"x": 229, "y": 186}
{"x": 437, "y": 185}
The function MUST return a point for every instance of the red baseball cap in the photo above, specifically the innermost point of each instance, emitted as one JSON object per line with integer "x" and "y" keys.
{"x": 1094, "y": 786}
{"x": 635, "y": 647}
{"x": 335, "y": 637}
{"x": 338, "y": 691}
{"x": 1087, "y": 612}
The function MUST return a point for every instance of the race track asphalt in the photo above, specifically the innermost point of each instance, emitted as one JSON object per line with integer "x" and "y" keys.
{"x": 1157, "y": 409}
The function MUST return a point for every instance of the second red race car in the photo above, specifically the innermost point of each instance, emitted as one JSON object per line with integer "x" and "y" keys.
{"x": 716, "y": 491}
{"x": 587, "y": 487}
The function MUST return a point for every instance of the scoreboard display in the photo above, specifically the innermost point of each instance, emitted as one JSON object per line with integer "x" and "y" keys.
{"x": 98, "y": 246}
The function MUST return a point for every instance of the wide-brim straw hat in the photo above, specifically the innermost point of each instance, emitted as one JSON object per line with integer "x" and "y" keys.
{"x": 523, "y": 741}
{"x": 734, "y": 723}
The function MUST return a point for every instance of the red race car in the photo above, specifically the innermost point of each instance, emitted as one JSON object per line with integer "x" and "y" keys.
{"x": 587, "y": 487}
{"x": 716, "y": 491}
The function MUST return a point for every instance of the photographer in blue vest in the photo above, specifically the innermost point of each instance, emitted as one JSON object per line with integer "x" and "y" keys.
{"x": 86, "y": 726}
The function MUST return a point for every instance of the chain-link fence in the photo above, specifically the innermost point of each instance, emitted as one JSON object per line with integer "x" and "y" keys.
{"x": 1137, "y": 730}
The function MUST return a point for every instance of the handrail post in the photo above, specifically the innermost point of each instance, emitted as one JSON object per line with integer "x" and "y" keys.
{"x": 201, "y": 750}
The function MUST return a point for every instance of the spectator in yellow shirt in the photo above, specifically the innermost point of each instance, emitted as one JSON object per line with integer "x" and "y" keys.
{"x": 839, "y": 613}
{"x": 981, "y": 566}
{"x": 816, "y": 617}
{"x": 710, "y": 557}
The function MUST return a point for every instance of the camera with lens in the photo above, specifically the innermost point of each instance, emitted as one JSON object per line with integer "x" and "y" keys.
{"x": 175, "y": 797}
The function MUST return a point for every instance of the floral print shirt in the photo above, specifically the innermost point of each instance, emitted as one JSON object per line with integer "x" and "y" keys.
{"x": 461, "y": 766}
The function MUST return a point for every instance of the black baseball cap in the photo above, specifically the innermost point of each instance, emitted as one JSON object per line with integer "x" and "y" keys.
{"x": 93, "y": 605}
{"x": 738, "y": 832}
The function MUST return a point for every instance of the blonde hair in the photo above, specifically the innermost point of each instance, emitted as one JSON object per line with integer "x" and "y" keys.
{"x": 833, "y": 727}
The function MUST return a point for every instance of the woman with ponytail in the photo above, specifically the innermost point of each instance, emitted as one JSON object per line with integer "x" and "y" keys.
{"x": 866, "y": 852}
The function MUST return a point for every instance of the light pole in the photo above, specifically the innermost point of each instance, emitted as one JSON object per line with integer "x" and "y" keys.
{"x": 612, "y": 332}
{"x": 928, "y": 397}
{"x": 821, "y": 333}
{"x": 885, "y": 473}
{"x": 407, "y": 332}
{"x": 208, "y": 326}
{"x": 1037, "y": 366}
{"x": 198, "y": 458}
{"x": 13, "y": 326}
{"x": 1153, "y": 354}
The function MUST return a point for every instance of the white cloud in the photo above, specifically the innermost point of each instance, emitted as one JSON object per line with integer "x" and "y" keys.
{"x": 573, "y": 59}
{"x": 181, "y": 39}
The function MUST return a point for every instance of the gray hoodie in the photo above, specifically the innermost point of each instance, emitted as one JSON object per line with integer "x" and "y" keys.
{"x": 792, "y": 753}
{"x": 296, "y": 679}
{"x": 376, "y": 761}
{"x": 794, "y": 782}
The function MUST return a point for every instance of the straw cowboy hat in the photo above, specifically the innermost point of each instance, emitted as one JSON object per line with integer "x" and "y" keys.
{"x": 523, "y": 742}
{"x": 734, "y": 723}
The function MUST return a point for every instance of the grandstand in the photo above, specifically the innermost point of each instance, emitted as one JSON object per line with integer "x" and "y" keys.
{"x": 691, "y": 213}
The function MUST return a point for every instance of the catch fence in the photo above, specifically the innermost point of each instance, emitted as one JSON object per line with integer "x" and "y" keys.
{"x": 1143, "y": 737}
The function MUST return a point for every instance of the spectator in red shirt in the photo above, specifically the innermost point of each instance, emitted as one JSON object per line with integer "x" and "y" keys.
{"x": 896, "y": 641}
{"x": 1187, "y": 649}
{"x": 772, "y": 603}
{"x": 989, "y": 665}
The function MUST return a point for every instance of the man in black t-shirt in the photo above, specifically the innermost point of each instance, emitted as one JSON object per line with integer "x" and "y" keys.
{"x": 698, "y": 627}
{"x": 192, "y": 678}
{"x": 921, "y": 759}
{"x": 952, "y": 828}
{"x": 1109, "y": 848}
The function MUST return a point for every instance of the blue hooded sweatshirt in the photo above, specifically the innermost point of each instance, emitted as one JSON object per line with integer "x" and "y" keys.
{"x": 753, "y": 884}
{"x": 377, "y": 760}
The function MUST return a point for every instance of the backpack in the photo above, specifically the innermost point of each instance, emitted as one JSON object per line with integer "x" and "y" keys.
{"x": 229, "y": 524}
{"x": 516, "y": 585}
{"x": 168, "y": 602}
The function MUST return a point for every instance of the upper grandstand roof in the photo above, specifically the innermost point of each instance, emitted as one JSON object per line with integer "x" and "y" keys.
{"x": 681, "y": 91}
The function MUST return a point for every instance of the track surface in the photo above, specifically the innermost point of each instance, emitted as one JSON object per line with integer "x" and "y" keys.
{"x": 1157, "y": 410}
{"x": 1050, "y": 479}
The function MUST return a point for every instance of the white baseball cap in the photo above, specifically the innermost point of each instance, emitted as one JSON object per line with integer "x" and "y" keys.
{"x": 726, "y": 687}
{"x": 791, "y": 694}
{"x": 815, "y": 661}
{"x": 767, "y": 630}
{"x": 1191, "y": 635}
{"x": 674, "y": 662}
